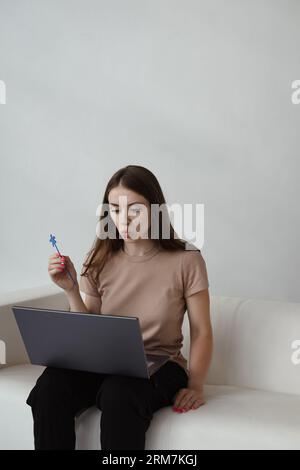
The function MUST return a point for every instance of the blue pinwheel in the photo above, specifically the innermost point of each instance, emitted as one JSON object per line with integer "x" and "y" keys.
{"x": 52, "y": 240}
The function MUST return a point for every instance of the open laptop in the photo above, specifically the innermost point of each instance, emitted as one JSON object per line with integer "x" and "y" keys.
{"x": 108, "y": 344}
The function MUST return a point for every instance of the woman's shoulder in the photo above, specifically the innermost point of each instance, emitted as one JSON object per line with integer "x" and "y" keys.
{"x": 194, "y": 271}
{"x": 192, "y": 252}
{"x": 188, "y": 258}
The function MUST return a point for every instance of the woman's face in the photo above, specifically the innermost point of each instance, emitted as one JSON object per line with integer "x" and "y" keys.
{"x": 130, "y": 213}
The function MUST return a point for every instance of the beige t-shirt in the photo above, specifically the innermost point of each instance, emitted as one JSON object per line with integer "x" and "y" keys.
{"x": 152, "y": 287}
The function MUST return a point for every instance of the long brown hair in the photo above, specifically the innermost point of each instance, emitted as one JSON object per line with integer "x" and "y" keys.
{"x": 142, "y": 181}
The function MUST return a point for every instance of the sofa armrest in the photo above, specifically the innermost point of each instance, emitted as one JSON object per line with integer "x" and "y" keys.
{"x": 47, "y": 296}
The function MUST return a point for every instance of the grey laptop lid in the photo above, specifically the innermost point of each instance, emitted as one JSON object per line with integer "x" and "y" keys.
{"x": 108, "y": 344}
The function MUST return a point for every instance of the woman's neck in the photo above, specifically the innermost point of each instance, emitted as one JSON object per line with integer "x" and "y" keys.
{"x": 138, "y": 247}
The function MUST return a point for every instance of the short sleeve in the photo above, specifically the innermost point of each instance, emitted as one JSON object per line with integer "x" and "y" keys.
{"x": 87, "y": 284}
{"x": 194, "y": 272}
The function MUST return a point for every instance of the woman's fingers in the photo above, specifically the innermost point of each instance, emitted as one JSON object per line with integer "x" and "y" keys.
{"x": 56, "y": 271}
{"x": 56, "y": 265}
{"x": 57, "y": 257}
{"x": 57, "y": 262}
{"x": 54, "y": 256}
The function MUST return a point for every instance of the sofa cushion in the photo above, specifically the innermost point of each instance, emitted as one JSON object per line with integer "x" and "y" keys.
{"x": 232, "y": 418}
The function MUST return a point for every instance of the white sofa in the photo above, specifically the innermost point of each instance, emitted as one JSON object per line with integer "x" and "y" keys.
{"x": 252, "y": 390}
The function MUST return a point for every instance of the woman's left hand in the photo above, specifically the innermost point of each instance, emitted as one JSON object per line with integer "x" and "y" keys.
{"x": 188, "y": 399}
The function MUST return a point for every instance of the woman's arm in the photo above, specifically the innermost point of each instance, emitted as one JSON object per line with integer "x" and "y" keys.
{"x": 201, "y": 337}
{"x": 91, "y": 304}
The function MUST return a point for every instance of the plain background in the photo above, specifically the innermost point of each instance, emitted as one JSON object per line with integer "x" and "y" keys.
{"x": 199, "y": 92}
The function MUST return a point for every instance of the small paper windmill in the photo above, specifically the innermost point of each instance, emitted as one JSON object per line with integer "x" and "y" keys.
{"x": 53, "y": 243}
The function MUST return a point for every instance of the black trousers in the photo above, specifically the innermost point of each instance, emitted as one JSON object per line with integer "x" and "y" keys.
{"x": 127, "y": 405}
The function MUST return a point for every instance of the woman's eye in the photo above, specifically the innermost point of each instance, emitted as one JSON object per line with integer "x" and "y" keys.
{"x": 134, "y": 212}
{"x": 135, "y": 209}
{"x": 130, "y": 211}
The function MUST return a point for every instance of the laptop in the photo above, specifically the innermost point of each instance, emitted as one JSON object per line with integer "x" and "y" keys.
{"x": 108, "y": 344}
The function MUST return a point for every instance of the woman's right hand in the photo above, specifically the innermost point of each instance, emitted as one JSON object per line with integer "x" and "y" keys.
{"x": 58, "y": 272}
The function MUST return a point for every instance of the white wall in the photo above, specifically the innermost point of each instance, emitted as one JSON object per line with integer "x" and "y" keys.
{"x": 197, "y": 91}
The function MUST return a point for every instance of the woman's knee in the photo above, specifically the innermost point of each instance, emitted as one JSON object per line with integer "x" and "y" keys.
{"x": 50, "y": 389}
{"x": 118, "y": 392}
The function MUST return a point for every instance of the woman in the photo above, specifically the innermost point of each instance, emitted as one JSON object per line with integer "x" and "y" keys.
{"x": 129, "y": 272}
